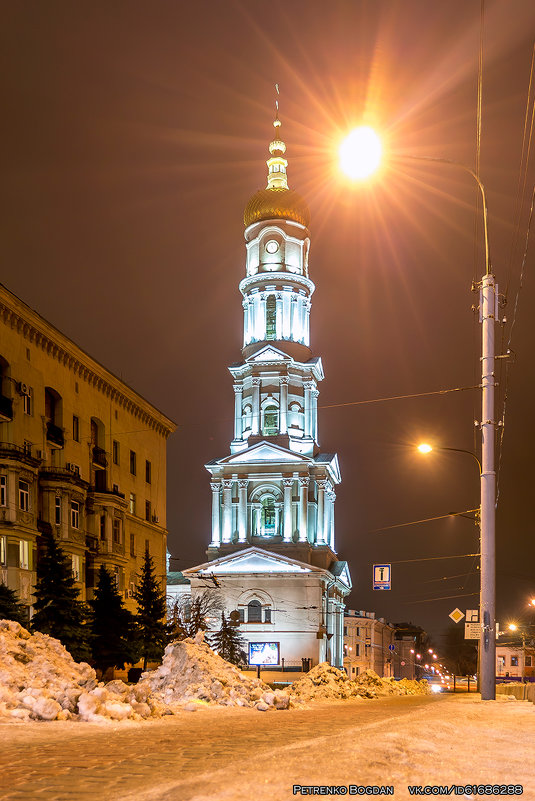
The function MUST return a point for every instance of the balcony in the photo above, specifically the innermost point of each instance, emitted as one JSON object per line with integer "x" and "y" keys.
{"x": 6, "y": 409}
{"x": 99, "y": 457}
{"x": 114, "y": 492}
{"x": 117, "y": 548}
{"x": 54, "y": 435}
{"x": 10, "y": 451}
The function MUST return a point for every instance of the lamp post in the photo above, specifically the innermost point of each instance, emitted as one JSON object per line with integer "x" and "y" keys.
{"x": 488, "y": 311}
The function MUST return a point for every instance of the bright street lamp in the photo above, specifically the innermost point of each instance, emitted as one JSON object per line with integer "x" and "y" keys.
{"x": 357, "y": 149}
{"x": 360, "y": 153}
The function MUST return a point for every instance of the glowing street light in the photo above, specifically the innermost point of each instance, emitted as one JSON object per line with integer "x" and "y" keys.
{"x": 424, "y": 447}
{"x": 360, "y": 153}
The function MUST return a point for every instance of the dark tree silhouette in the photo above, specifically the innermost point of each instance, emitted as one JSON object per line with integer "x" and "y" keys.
{"x": 113, "y": 630}
{"x": 187, "y": 616}
{"x": 58, "y": 609}
{"x": 10, "y": 607}
{"x": 228, "y": 643}
{"x": 150, "y": 617}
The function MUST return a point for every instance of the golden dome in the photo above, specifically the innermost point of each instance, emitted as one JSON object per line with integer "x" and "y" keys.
{"x": 269, "y": 204}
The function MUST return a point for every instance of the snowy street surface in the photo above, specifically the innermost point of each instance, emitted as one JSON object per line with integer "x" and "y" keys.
{"x": 239, "y": 754}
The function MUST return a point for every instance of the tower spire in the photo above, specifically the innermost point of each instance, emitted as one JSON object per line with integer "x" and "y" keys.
{"x": 277, "y": 178}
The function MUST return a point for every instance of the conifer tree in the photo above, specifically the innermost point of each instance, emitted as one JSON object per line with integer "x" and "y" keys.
{"x": 58, "y": 609}
{"x": 150, "y": 617}
{"x": 228, "y": 643}
{"x": 113, "y": 630}
{"x": 10, "y": 608}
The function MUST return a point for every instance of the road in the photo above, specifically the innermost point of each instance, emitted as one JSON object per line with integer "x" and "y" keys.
{"x": 242, "y": 754}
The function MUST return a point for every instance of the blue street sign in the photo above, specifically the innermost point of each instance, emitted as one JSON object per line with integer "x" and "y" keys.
{"x": 391, "y": 647}
{"x": 382, "y": 577}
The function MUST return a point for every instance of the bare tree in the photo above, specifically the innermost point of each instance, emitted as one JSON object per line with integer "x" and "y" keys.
{"x": 186, "y": 615}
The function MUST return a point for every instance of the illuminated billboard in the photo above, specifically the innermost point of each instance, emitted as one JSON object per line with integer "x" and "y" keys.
{"x": 263, "y": 653}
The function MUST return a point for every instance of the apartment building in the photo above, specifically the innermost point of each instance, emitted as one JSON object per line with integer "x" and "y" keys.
{"x": 81, "y": 454}
{"x": 369, "y": 644}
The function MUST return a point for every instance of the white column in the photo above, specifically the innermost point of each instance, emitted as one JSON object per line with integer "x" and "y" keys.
{"x": 278, "y": 315}
{"x": 288, "y": 517}
{"x": 286, "y": 315}
{"x": 301, "y": 306}
{"x": 216, "y": 512}
{"x": 303, "y": 508}
{"x": 306, "y": 331}
{"x": 321, "y": 511}
{"x": 238, "y": 414}
{"x": 245, "y": 304}
{"x": 327, "y": 517}
{"x": 314, "y": 414}
{"x": 255, "y": 423}
{"x": 258, "y": 321}
{"x": 242, "y": 509}
{"x": 283, "y": 411}
{"x": 330, "y": 532}
{"x": 263, "y": 321}
{"x": 309, "y": 386}
{"x": 227, "y": 510}
{"x": 293, "y": 318}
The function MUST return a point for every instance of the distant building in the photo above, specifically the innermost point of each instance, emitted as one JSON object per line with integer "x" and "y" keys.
{"x": 409, "y": 642}
{"x": 272, "y": 549}
{"x": 81, "y": 455}
{"x": 369, "y": 644}
{"x": 515, "y": 661}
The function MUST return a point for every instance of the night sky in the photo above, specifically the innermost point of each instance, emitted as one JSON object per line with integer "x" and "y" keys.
{"x": 133, "y": 135}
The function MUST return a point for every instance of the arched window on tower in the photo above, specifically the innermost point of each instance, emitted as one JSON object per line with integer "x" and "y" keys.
{"x": 268, "y": 516}
{"x": 254, "y": 612}
{"x": 271, "y": 317}
{"x": 271, "y": 421}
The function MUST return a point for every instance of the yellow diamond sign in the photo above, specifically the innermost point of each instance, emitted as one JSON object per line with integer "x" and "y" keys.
{"x": 456, "y": 615}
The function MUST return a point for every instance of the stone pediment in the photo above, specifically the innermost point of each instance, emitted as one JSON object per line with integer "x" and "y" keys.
{"x": 264, "y": 452}
{"x": 251, "y": 560}
{"x": 269, "y": 354}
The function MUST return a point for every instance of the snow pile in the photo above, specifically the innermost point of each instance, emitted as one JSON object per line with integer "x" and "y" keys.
{"x": 325, "y": 682}
{"x": 191, "y": 673}
{"x": 39, "y": 680}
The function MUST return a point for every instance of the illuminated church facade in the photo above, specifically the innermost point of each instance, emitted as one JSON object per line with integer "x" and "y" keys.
{"x": 272, "y": 548}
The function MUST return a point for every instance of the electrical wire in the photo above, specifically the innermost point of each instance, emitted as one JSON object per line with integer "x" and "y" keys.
{"x": 424, "y": 520}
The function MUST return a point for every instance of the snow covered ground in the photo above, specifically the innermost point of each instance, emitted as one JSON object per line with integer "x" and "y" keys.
{"x": 235, "y": 754}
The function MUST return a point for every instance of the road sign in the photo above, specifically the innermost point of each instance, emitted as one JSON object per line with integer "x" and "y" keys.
{"x": 472, "y": 615}
{"x": 391, "y": 647}
{"x": 472, "y": 631}
{"x": 402, "y": 664}
{"x": 456, "y": 615}
{"x": 382, "y": 577}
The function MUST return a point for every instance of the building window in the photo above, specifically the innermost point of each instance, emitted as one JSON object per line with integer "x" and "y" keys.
{"x": 115, "y": 452}
{"x": 242, "y": 614}
{"x": 148, "y": 471}
{"x": 147, "y": 510}
{"x": 514, "y": 661}
{"x": 2, "y": 550}
{"x": 271, "y": 317}
{"x": 268, "y": 516}
{"x": 58, "y": 511}
{"x": 76, "y": 428}
{"x": 3, "y": 490}
{"x": 102, "y": 527}
{"x": 75, "y": 514}
{"x": 357, "y": 649}
{"x": 147, "y": 549}
{"x": 271, "y": 420}
{"x": 345, "y": 631}
{"x": 27, "y": 401}
{"x": 24, "y": 554}
{"x": 27, "y": 447}
{"x": 254, "y": 612}
{"x": 357, "y": 632}
{"x": 267, "y": 614}
{"x": 75, "y": 566}
{"x": 24, "y": 495}
{"x": 116, "y": 530}
{"x": 501, "y": 662}
{"x": 132, "y": 544}
{"x": 133, "y": 462}
{"x": 527, "y": 661}
{"x": 132, "y": 505}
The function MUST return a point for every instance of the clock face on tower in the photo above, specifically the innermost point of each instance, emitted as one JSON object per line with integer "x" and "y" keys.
{"x": 272, "y": 246}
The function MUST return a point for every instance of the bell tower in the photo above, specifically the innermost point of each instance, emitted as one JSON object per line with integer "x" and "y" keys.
{"x": 276, "y": 490}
